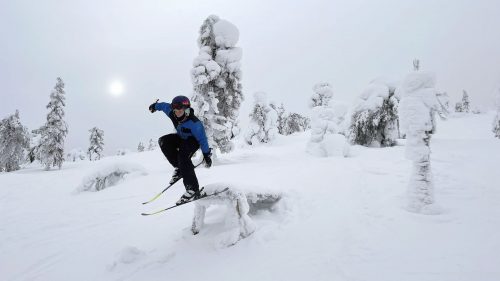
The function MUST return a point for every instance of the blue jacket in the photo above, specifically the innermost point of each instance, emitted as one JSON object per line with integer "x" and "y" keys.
{"x": 191, "y": 127}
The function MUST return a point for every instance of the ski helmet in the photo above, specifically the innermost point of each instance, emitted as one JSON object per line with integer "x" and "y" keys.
{"x": 180, "y": 102}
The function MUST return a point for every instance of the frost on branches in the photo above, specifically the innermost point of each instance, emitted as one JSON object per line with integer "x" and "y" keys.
{"x": 14, "y": 143}
{"x": 280, "y": 117}
{"x": 323, "y": 93}
{"x": 417, "y": 107}
{"x": 464, "y": 104}
{"x": 216, "y": 77}
{"x": 152, "y": 145}
{"x": 96, "y": 144}
{"x": 296, "y": 123}
{"x": 496, "y": 121}
{"x": 374, "y": 121}
{"x": 50, "y": 150}
{"x": 290, "y": 123}
{"x": 326, "y": 125}
{"x": 140, "y": 147}
{"x": 262, "y": 127}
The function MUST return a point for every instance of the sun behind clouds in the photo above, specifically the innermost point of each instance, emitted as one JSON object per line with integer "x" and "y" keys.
{"x": 116, "y": 88}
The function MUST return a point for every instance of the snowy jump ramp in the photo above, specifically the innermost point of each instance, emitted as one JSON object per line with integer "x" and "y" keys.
{"x": 241, "y": 203}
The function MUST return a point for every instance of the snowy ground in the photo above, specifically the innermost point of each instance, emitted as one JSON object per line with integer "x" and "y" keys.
{"x": 344, "y": 220}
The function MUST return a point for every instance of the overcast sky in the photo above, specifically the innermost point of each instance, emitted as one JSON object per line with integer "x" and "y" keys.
{"x": 288, "y": 46}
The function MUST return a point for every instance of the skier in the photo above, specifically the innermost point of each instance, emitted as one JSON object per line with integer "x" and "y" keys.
{"x": 180, "y": 147}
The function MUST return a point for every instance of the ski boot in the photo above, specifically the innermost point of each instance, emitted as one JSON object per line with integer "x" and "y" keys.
{"x": 190, "y": 195}
{"x": 176, "y": 176}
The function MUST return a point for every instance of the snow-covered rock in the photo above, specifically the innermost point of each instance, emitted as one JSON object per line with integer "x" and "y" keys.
{"x": 109, "y": 175}
{"x": 240, "y": 204}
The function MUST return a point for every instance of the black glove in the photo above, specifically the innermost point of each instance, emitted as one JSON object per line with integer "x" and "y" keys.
{"x": 152, "y": 107}
{"x": 207, "y": 159}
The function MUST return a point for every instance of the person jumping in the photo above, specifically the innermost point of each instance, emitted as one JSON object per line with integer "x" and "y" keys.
{"x": 180, "y": 147}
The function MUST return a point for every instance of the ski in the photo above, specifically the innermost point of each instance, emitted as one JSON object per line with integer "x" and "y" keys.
{"x": 166, "y": 188}
{"x": 171, "y": 207}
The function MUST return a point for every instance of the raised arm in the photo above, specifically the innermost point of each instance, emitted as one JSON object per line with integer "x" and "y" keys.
{"x": 163, "y": 106}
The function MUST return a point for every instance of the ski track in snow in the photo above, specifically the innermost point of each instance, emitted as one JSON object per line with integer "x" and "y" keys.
{"x": 344, "y": 217}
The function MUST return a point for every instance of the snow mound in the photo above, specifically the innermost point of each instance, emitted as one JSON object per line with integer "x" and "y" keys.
{"x": 226, "y": 34}
{"x": 109, "y": 175}
{"x": 240, "y": 202}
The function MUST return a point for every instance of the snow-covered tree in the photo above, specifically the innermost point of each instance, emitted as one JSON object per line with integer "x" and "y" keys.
{"x": 76, "y": 154}
{"x": 417, "y": 107}
{"x": 151, "y": 145}
{"x": 50, "y": 150}
{"x": 281, "y": 117}
{"x": 140, "y": 147}
{"x": 216, "y": 77}
{"x": 464, "y": 104}
{"x": 96, "y": 144}
{"x": 323, "y": 93}
{"x": 416, "y": 64}
{"x": 34, "y": 147}
{"x": 289, "y": 123}
{"x": 496, "y": 121}
{"x": 262, "y": 128}
{"x": 374, "y": 119}
{"x": 444, "y": 102}
{"x": 122, "y": 151}
{"x": 327, "y": 138}
{"x": 14, "y": 143}
{"x": 295, "y": 122}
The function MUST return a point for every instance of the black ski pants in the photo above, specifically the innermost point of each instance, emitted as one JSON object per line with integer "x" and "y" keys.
{"x": 179, "y": 152}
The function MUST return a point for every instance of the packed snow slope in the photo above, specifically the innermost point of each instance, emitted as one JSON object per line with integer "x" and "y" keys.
{"x": 344, "y": 218}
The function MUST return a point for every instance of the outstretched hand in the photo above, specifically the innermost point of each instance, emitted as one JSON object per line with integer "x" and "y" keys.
{"x": 152, "y": 107}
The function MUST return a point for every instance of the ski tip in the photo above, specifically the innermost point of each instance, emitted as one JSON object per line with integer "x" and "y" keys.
{"x": 144, "y": 214}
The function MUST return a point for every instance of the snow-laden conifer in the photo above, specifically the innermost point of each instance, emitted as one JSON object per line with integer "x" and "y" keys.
{"x": 96, "y": 144}
{"x": 417, "y": 107}
{"x": 140, "y": 147}
{"x": 262, "y": 127}
{"x": 416, "y": 64}
{"x": 281, "y": 117}
{"x": 216, "y": 77}
{"x": 294, "y": 122}
{"x": 289, "y": 123}
{"x": 326, "y": 129}
{"x": 374, "y": 120}
{"x": 323, "y": 93}
{"x": 464, "y": 104}
{"x": 50, "y": 150}
{"x": 151, "y": 145}
{"x": 14, "y": 143}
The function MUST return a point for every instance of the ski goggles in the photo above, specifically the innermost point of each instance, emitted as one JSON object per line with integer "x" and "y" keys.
{"x": 178, "y": 106}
